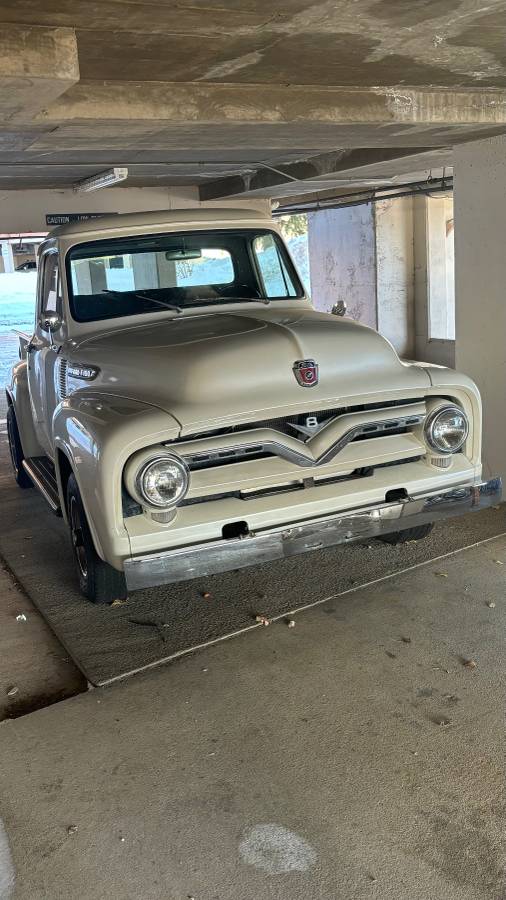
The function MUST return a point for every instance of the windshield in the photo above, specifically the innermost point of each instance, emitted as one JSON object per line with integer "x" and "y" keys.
{"x": 128, "y": 276}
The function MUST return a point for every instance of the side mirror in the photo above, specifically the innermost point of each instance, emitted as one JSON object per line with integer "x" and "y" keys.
{"x": 339, "y": 308}
{"x": 50, "y": 321}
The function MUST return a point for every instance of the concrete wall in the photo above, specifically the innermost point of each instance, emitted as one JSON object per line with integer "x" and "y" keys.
{"x": 433, "y": 281}
{"x": 395, "y": 273}
{"x": 364, "y": 255}
{"x": 480, "y": 257}
{"x": 342, "y": 261}
{"x": 26, "y": 210}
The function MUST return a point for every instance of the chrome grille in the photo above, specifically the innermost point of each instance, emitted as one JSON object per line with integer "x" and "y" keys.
{"x": 222, "y": 456}
{"x": 287, "y": 424}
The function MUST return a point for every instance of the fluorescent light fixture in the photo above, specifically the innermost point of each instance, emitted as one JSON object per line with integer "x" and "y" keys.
{"x": 101, "y": 180}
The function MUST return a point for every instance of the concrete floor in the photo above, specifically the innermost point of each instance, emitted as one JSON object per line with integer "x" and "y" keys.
{"x": 354, "y": 756}
{"x": 35, "y": 670}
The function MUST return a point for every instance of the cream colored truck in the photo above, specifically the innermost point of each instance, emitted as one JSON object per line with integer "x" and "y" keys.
{"x": 187, "y": 411}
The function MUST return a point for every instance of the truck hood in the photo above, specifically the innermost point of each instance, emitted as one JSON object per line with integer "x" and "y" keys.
{"x": 231, "y": 367}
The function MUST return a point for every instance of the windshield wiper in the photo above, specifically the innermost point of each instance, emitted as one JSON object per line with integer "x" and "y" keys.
{"x": 221, "y": 300}
{"x": 264, "y": 300}
{"x": 141, "y": 296}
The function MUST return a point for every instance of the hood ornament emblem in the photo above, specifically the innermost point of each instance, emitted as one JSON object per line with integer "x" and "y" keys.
{"x": 306, "y": 372}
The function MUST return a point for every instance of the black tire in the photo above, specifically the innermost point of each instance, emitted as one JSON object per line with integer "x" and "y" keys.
{"x": 16, "y": 451}
{"x": 98, "y": 581}
{"x": 409, "y": 534}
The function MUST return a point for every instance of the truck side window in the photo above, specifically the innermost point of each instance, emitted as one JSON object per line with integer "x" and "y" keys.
{"x": 51, "y": 298}
{"x": 274, "y": 274}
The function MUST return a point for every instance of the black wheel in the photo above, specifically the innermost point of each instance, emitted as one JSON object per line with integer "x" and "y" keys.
{"x": 99, "y": 582}
{"x": 16, "y": 450}
{"x": 409, "y": 534}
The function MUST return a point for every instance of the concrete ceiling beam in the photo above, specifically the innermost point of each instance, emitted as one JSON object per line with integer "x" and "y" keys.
{"x": 37, "y": 65}
{"x": 317, "y": 172}
{"x": 217, "y": 103}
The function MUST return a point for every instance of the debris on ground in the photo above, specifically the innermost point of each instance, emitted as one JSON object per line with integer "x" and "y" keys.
{"x": 498, "y": 562}
{"x": 119, "y": 601}
{"x": 451, "y": 698}
{"x": 262, "y": 620}
{"x": 443, "y": 721}
{"x": 71, "y": 829}
{"x": 441, "y": 669}
{"x": 158, "y": 624}
{"x": 390, "y": 654}
{"x": 470, "y": 663}
{"x": 12, "y": 691}
{"x": 491, "y": 604}
{"x": 406, "y": 640}
{"x": 441, "y": 574}
{"x": 21, "y": 617}
{"x": 290, "y": 623}
{"x": 206, "y": 595}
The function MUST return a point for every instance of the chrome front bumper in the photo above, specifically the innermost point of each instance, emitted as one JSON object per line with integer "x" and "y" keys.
{"x": 199, "y": 560}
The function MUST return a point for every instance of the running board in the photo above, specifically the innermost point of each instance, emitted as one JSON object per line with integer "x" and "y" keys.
{"x": 41, "y": 471}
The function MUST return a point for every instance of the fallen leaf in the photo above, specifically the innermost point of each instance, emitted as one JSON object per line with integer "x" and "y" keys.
{"x": 498, "y": 562}
{"x": 262, "y": 620}
{"x": 441, "y": 574}
{"x": 12, "y": 691}
{"x": 391, "y": 655}
{"x": 118, "y": 602}
{"x": 206, "y": 595}
{"x": 406, "y": 640}
{"x": 291, "y": 623}
{"x": 470, "y": 663}
{"x": 72, "y": 829}
{"x": 491, "y": 605}
{"x": 20, "y": 617}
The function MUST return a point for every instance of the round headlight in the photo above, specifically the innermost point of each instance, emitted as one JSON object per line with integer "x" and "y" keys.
{"x": 163, "y": 481}
{"x": 446, "y": 429}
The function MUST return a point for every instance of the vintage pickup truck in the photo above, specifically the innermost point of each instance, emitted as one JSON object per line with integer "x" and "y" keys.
{"x": 187, "y": 411}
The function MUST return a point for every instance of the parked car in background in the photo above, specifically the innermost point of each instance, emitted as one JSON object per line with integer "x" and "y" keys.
{"x": 28, "y": 266}
{"x": 187, "y": 410}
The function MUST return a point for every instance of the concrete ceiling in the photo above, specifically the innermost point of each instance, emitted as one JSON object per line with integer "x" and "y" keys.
{"x": 245, "y": 98}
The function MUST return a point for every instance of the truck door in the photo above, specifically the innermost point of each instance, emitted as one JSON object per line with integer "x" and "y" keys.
{"x": 42, "y": 351}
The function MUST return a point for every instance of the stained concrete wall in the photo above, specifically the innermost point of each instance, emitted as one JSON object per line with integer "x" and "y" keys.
{"x": 342, "y": 261}
{"x": 364, "y": 255}
{"x": 26, "y": 210}
{"x": 480, "y": 270}
{"x": 395, "y": 273}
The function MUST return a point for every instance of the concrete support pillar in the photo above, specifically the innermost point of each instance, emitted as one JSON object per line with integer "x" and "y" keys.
{"x": 145, "y": 271}
{"x": 364, "y": 255}
{"x": 434, "y": 276}
{"x": 90, "y": 276}
{"x": 480, "y": 280}
{"x": 395, "y": 273}
{"x": 7, "y": 256}
{"x": 342, "y": 261}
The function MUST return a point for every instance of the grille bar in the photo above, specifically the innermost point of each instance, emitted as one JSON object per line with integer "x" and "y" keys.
{"x": 242, "y": 451}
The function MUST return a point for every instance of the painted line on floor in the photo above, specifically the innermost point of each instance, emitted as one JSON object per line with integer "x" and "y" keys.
{"x": 292, "y": 612}
{"x": 7, "y": 875}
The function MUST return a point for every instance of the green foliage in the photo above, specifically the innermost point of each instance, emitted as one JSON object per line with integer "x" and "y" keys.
{"x": 293, "y": 226}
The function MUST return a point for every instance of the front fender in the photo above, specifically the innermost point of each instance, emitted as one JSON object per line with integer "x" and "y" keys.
{"x": 97, "y": 433}
{"x": 462, "y": 388}
{"x": 18, "y": 394}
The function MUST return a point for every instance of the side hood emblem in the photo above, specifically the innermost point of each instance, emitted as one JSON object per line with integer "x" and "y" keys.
{"x": 306, "y": 372}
